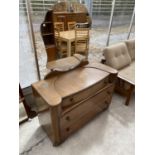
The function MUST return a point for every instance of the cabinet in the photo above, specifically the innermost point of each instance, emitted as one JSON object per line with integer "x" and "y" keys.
{"x": 73, "y": 98}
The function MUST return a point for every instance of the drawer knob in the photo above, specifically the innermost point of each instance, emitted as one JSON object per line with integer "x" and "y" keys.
{"x": 105, "y": 82}
{"x": 72, "y": 99}
{"x": 68, "y": 118}
{"x": 109, "y": 92}
{"x": 106, "y": 102}
{"x": 67, "y": 129}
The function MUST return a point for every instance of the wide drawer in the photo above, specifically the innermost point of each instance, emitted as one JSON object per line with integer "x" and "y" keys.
{"x": 68, "y": 130}
{"x": 92, "y": 106}
{"x": 85, "y": 93}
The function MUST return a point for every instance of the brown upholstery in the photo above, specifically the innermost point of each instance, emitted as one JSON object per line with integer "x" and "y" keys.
{"x": 131, "y": 48}
{"x": 117, "y": 56}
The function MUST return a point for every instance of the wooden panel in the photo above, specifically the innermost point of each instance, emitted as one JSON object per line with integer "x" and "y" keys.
{"x": 78, "y": 80}
{"x": 99, "y": 102}
{"x": 65, "y": 132}
{"x": 85, "y": 93}
{"x": 51, "y": 53}
{"x": 47, "y": 33}
{"x": 107, "y": 99}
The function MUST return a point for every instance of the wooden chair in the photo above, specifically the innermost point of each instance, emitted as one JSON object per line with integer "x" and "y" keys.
{"x": 61, "y": 46}
{"x": 59, "y": 25}
{"x": 82, "y": 41}
{"x": 71, "y": 25}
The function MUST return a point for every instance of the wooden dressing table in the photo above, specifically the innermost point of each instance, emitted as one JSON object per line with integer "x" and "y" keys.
{"x": 72, "y": 98}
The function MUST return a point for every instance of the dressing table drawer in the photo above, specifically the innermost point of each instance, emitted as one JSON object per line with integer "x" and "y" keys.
{"x": 68, "y": 101}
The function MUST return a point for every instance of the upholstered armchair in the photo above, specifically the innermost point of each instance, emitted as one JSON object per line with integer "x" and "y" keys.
{"x": 121, "y": 56}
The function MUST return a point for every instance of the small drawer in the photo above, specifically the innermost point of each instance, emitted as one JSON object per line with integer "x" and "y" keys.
{"x": 68, "y": 101}
{"x": 110, "y": 90}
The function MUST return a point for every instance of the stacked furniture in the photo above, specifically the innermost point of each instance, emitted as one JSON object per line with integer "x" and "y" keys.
{"x": 73, "y": 94}
{"x": 121, "y": 56}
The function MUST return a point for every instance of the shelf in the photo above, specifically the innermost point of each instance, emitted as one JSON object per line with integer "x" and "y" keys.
{"x": 50, "y": 46}
{"x": 47, "y": 22}
{"x": 46, "y": 34}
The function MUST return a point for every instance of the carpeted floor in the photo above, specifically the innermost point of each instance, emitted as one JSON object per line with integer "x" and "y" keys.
{"x": 110, "y": 133}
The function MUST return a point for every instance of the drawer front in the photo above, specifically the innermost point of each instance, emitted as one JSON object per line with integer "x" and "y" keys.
{"x": 107, "y": 99}
{"x": 68, "y": 130}
{"x": 89, "y": 108}
{"x": 85, "y": 93}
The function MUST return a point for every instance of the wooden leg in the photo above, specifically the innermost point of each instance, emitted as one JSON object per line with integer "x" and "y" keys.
{"x": 129, "y": 94}
{"x": 68, "y": 48}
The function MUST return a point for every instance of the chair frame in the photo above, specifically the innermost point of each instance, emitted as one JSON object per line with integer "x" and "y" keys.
{"x": 59, "y": 25}
{"x": 120, "y": 88}
{"x": 82, "y": 37}
{"x": 71, "y": 25}
{"x": 58, "y": 42}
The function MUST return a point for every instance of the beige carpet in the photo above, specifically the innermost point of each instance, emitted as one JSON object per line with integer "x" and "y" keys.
{"x": 110, "y": 133}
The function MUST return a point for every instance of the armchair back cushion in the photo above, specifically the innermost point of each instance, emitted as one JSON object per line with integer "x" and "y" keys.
{"x": 131, "y": 48}
{"x": 117, "y": 55}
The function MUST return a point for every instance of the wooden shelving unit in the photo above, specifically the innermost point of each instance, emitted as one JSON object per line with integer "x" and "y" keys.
{"x": 47, "y": 32}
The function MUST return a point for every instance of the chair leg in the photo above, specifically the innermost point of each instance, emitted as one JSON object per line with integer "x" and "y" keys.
{"x": 129, "y": 94}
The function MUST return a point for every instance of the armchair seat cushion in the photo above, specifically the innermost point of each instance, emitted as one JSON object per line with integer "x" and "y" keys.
{"x": 128, "y": 73}
{"x": 117, "y": 56}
